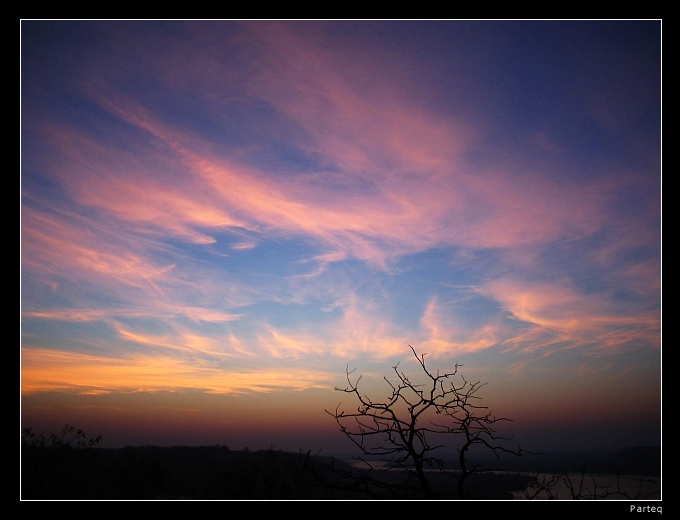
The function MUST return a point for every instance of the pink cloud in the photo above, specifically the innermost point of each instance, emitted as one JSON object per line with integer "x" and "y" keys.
{"x": 564, "y": 316}
{"x": 71, "y": 248}
{"x": 145, "y": 191}
{"x": 400, "y": 180}
{"x": 444, "y": 335}
{"x": 243, "y": 246}
{"x": 159, "y": 310}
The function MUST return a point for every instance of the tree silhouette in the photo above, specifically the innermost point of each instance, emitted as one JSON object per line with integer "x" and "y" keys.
{"x": 413, "y": 415}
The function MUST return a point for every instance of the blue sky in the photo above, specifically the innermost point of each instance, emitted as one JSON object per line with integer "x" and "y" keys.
{"x": 218, "y": 217}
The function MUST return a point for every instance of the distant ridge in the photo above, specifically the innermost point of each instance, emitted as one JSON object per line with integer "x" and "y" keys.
{"x": 636, "y": 460}
{"x": 640, "y": 460}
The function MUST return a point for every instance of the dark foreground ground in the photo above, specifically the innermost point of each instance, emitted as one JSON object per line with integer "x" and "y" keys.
{"x": 217, "y": 473}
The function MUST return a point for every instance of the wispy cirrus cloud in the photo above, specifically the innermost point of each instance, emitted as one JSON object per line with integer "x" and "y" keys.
{"x": 240, "y": 207}
{"x": 402, "y": 196}
{"x": 160, "y": 310}
{"x": 444, "y": 336}
{"x": 76, "y": 246}
{"x": 49, "y": 370}
{"x": 572, "y": 319}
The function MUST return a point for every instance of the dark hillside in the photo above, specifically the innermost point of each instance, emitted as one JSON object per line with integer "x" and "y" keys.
{"x": 182, "y": 472}
{"x": 217, "y": 473}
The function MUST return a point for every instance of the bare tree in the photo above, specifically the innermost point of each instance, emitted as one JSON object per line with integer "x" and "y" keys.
{"x": 413, "y": 415}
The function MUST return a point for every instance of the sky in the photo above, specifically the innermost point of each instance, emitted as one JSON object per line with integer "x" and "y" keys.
{"x": 219, "y": 219}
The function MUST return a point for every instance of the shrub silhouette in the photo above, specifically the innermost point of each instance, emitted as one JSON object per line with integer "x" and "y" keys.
{"x": 53, "y": 466}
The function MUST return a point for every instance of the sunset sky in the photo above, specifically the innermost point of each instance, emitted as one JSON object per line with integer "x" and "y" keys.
{"x": 219, "y": 217}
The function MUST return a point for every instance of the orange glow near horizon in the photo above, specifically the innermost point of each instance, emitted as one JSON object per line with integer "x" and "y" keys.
{"x": 44, "y": 370}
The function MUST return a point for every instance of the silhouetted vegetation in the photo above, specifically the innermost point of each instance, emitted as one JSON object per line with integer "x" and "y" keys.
{"x": 180, "y": 472}
{"x": 411, "y": 423}
{"x": 71, "y": 466}
{"x": 395, "y": 437}
{"x": 204, "y": 473}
